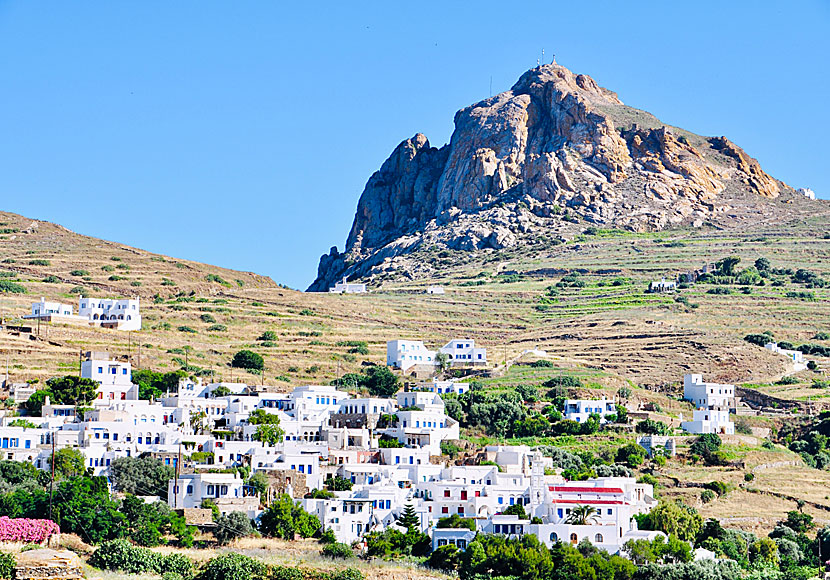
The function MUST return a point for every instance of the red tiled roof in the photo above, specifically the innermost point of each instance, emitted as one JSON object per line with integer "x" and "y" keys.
{"x": 564, "y": 489}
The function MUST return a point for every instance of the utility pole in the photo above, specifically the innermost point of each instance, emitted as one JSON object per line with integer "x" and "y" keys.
{"x": 52, "y": 479}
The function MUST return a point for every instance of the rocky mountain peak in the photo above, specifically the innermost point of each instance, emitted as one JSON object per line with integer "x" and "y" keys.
{"x": 557, "y": 144}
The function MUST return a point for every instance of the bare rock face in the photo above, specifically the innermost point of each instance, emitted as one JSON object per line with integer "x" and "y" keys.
{"x": 554, "y": 143}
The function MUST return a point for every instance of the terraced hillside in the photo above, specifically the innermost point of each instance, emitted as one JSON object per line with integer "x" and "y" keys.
{"x": 506, "y": 299}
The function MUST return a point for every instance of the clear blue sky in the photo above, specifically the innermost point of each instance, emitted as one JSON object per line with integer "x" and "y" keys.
{"x": 242, "y": 133}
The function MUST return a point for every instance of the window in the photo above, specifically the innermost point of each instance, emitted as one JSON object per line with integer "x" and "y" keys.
{"x": 446, "y": 493}
{"x": 598, "y": 538}
{"x": 554, "y": 537}
{"x": 445, "y": 510}
{"x": 573, "y": 539}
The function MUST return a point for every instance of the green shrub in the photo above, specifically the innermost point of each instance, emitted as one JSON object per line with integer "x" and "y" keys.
{"x": 246, "y": 359}
{"x": 7, "y": 564}
{"x": 232, "y": 526}
{"x": 39, "y": 262}
{"x": 347, "y": 574}
{"x": 122, "y": 555}
{"x": 306, "y": 312}
{"x": 186, "y": 329}
{"x": 217, "y": 279}
{"x": 268, "y": 335}
{"x": 537, "y": 364}
{"x": 217, "y": 328}
{"x": 207, "y": 318}
{"x": 232, "y": 566}
{"x": 12, "y": 287}
{"x": 108, "y": 268}
{"x": 749, "y": 476}
{"x": 79, "y": 273}
{"x": 707, "y": 495}
{"x": 337, "y": 550}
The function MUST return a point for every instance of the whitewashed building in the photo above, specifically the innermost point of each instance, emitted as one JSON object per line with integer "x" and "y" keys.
{"x": 403, "y": 354}
{"x": 121, "y": 314}
{"x": 794, "y": 355}
{"x": 580, "y": 410}
{"x": 707, "y": 394}
{"x": 464, "y": 352}
{"x": 345, "y": 287}
{"x": 44, "y": 309}
{"x": 113, "y": 377}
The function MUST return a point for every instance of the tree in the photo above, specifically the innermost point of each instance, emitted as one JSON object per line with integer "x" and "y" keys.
{"x": 381, "y": 382}
{"x": 337, "y": 483}
{"x": 35, "y": 403}
{"x": 528, "y": 393}
{"x": 442, "y": 359}
{"x": 72, "y": 390}
{"x": 221, "y": 391}
{"x": 153, "y": 384}
{"x": 141, "y": 476}
{"x": 707, "y": 445}
{"x": 69, "y": 462}
{"x": 408, "y": 518}
{"x": 269, "y": 433}
{"x": 762, "y": 264}
{"x": 673, "y": 518}
{"x": 444, "y": 558}
{"x": 726, "y": 267}
{"x": 284, "y": 519}
{"x": 263, "y": 417}
{"x": 631, "y": 454}
{"x": 232, "y": 526}
{"x": 583, "y": 515}
{"x": 259, "y": 481}
{"x": 246, "y": 359}
{"x": 516, "y": 510}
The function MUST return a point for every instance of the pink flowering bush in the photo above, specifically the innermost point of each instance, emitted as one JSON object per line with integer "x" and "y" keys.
{"x": 26, "y": 530}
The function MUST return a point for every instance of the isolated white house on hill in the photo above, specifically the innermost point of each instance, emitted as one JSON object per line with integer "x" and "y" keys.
{"x": 344, "y": 287}
{"x": 712, "y": 402}
{"x": 123, "y": 314}
{"x": 794, "y": 355}
{"x": 403, "y": 354}
{"x": 580, "y": 410}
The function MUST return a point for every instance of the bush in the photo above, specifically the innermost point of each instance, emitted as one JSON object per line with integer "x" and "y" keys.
{"x": 217, "y": 328}
{"x": 187, "y": 329}
{"x": 122, "y": 555}
{"x": 79, "y": 273}
{"x": 268, "y": 336}
{"x": 207, "y": 318}
{"x": 707, "y": 495}
{"x": 246, "y": 359}
{"x": 541, "y": 364}
{"x": 39, "y": 262}
{"x": 232, "y": 526}
{"x": 12, "y": 287}
{"x": 232, "y": 566}
{"x": 7, "y": 564}
{"x": 652, "y": 427}
{"x": 337, "y": 550}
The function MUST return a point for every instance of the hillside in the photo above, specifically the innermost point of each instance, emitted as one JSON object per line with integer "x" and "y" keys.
{"x": 538, "y": 164}
{"x": 498, "y": 297}
{"x": 605, "y": 329}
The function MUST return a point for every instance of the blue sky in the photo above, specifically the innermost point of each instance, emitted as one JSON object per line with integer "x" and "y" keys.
{"x": 242, "y": 133}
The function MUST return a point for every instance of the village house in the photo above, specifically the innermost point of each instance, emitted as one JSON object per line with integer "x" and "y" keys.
{"x": 344, "y": 287}
{"x": 796, "y": 356}
{"x": 580, "y": 410}
{"x": 120, "y": 314}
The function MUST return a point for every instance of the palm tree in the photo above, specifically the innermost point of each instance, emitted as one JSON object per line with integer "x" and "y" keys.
{"x": 583, "y": 515}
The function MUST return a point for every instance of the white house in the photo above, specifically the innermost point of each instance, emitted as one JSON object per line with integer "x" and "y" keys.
{"x": 445, "y": 387}
{"x": 580, "y": 410}
{"x": 113, "y": 378}
{"x": 403, "y": 354}
{"x": 709, "y": 420}
{"x": 122, "y": 314}
{"x": 225, "y": 489}
{"x": 807, "y": 192}
{"x": 707, "y": 394}
{"x": 345, "y": 287}
{"x": 44, "y": 309}
{"x": 794, "y": 355}
{"x": 464, "y": 352}
{"x": 435, "y": 290}
{"x": 662, "y": 285}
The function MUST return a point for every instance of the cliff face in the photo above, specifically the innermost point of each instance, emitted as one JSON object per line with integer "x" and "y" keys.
{"x": 554, "y": 145}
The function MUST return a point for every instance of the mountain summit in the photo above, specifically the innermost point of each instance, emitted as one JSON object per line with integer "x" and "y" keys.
{"x": 554, "y": 151}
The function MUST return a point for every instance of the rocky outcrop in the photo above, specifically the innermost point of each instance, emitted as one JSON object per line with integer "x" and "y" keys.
{"x": 555, "y": 146}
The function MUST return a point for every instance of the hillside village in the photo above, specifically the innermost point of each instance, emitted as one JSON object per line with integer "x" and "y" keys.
{"x": 361, "y": 460}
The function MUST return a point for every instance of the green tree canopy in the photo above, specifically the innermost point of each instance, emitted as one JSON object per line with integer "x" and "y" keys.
{"x": 408, "y": 518}
{"x": 72, "y": 390}
{"x": 141, "y": 476}
{"x": 283, "y": 519}
{"x": 69, "y": 462}
{"x": 246, "y": 359}
{"x": 153, "y": 385}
